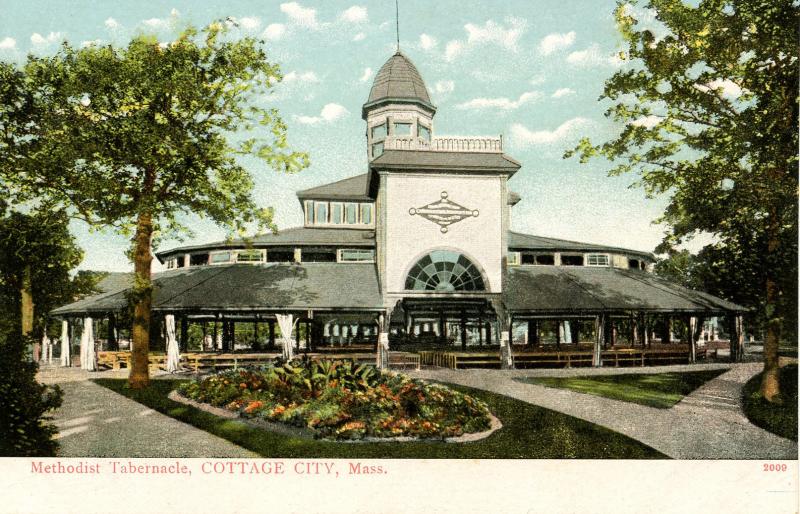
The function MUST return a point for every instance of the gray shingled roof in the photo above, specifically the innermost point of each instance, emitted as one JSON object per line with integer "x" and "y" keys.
{"x": 452, "y": 161}
{"x": 353, "y": 188}
{"x": 520, "y": 241}
{"x": 248, "y": 287}
{"x": 297, "y": 236}
{"x": 565, "y": 289}
{"x": 398, "y": 80}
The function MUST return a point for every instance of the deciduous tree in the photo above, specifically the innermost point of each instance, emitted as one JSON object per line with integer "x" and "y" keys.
{"x": 142, "y": 138}
{"x": 710, "y": 112}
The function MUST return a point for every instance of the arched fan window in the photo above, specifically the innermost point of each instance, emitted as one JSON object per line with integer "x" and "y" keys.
{"x": 443, "y": 270}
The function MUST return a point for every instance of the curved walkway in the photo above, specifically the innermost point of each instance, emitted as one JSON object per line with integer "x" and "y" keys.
{"x": 96, "y": 422}
{"x": 707, "y": 424}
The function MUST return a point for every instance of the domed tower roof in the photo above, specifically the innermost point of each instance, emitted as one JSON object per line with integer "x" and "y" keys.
{"x": 398, "y": 81}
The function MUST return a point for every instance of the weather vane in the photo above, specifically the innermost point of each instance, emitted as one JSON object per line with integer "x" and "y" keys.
{"x": 397, "y": 21}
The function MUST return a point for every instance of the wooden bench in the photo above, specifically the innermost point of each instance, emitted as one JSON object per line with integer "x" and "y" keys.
{"x": 114, "y": 359}
{"x": 404, "y": 360}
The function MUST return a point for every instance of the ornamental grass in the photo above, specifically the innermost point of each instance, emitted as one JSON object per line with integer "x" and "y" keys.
{"x": 343, "y": 400}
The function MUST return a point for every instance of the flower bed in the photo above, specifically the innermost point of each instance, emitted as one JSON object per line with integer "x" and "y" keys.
{"x": 342, "y": 400}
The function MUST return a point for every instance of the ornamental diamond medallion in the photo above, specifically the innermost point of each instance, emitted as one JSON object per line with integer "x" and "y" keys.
{"x": 444, "y": 212}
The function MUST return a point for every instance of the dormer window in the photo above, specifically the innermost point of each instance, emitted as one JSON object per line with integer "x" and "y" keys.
{"x": 597, "y": 259}
{"x": 401, "y": 129}
{"x": 350, "y": 214}
{"x": 366, "y": 213}
{"x": 424, "y": 132}
{"x": 320, "y": 213}
{"x": 250, "y": 256}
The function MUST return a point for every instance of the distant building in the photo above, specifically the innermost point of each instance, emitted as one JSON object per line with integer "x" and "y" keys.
{"x": 416, "y": 253}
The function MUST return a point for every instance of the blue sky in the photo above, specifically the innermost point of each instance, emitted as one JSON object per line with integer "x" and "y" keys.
{"x": 529, "y": 70}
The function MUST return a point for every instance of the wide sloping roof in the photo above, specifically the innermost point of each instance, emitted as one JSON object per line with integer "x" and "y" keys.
{"x": 251, "y": 287}
{"x": 297, "y": 236}
{"x": 353, "y": 188}
{"x": 568, "y": 289}
{"x": 398, "y": 81}
{"x": 452, "y": 161}
{"x": 520, "y": 241}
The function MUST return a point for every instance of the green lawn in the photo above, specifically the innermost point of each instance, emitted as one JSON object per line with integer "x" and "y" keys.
{"x": 778, "y": 419}
{"x": 529, "y": 432}
{"x": 660, "y": 390}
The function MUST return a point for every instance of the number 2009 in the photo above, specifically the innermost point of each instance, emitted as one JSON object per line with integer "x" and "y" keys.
{"x": 775, "y": 467}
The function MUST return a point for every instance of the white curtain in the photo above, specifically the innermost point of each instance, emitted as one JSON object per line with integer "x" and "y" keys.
{"x": 286, "y": 324}
{"x": 173, "y": 354}
{"x": 567, "y": 331}
{"x": 47, "y": 350}
{"x": 65, "y": 357}
{"x": 87, "y": 345}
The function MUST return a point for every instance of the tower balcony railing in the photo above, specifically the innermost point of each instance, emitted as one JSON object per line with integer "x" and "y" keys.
{"x": 446, "y": 144}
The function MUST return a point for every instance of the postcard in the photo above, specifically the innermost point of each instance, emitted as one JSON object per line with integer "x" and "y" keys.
{"x": 398, "y": 256}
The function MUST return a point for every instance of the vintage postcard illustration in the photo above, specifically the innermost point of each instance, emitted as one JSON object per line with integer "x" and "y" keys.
{"x": 399, "y": 256}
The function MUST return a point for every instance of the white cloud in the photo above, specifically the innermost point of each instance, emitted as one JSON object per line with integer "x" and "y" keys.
{"x": 505, "y": 36}
{"x": 8, "y": 43}
{"x": 501, "y": 103}
{"x": 111, "y": 23}
{"x": 553, "y": 42}
{"x": 727, "y": 88}
{"x": 303, "y": 16}
{"x": 39, "y": 40}
{"x": 646, "y": 121}
{"x": 492, "y": 32}
{"x": 366, "y": 75}
{"x": 249, "y": 23}
{"x": 330, "y": 113}
{"x": 156, "y": 23}
{"x": 453, "y": 49}
{"x": 427, "y": 42}
{"x": 274, "y": 31}
{"x": 592, "y": 56}
{"x": 537, "y": 80}
{"x": 563, "y": 91}
{"x": 303, "y": 77}
{"x": 359, "y": 37}
{"x": 355, "y": 14}
{"x": 444, "y": 86}
{"x": 522, "y": 136}
{"x": 94, "y": 42}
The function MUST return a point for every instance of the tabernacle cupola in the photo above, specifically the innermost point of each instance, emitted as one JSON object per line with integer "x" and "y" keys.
{"x": 398, "y": 112}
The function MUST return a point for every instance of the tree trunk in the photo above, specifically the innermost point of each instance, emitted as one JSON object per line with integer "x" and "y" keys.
{"x": 770, "y": 385}
{"x": 26, "y": 309}
{"x": 142, "y": 259}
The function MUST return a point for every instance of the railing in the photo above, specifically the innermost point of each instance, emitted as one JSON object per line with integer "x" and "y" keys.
{"x": 446, "y": 144}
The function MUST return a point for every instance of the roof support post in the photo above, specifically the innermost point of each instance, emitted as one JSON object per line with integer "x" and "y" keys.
{"x": 382, "y": 350}
{"x": 113, "y": 343}
{"x": 271, "y": 335}
{"x": 693, "y": 332}
{"x": 463, "y": 327}
{"x": 599, "y": 340}
{"x": 737, "y": 337}
{"x": 533, "y": 332}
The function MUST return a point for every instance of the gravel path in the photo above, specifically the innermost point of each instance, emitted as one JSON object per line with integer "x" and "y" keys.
{"x": 97, "y": 422}
{"x": 707, "y": 424}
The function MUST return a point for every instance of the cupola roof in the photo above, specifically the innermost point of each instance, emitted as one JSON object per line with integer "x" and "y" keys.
{"x": 398, "y": 81}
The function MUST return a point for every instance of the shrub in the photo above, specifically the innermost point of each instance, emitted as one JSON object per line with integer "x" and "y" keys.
{"x": 343, "y": 400}
{"x": 25, "y": 430}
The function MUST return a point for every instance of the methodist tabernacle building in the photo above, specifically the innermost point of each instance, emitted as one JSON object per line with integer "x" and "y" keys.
{"x": 415, "y": 257}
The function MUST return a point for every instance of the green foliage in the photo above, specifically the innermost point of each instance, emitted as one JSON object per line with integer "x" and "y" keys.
{"x": 151, "y": 127}
{"x": 42, "y": 242}
{"x": 777, "y": 417}
{"x": 343, "y": 400}
{"x": 25, "y": 430}
{"x": 710, "y": 113}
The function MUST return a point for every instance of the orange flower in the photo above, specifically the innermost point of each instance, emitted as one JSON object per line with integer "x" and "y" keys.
{"x": 243, "y": 385}
{"x": 253, "y": 406}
